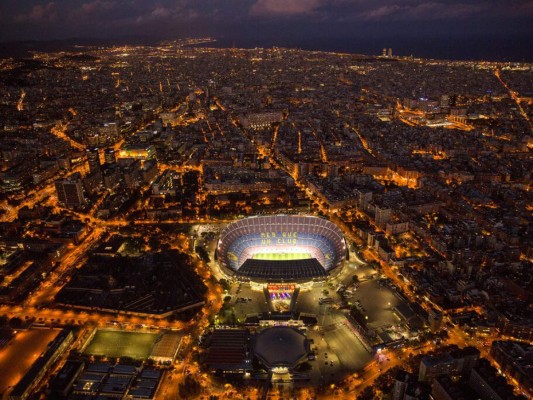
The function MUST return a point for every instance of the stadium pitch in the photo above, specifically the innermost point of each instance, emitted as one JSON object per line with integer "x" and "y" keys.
{"x": 135, "y": 345}
{"x": 281, "y": 256}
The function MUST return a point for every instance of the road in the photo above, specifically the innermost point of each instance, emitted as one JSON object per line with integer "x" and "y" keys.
{"x": 51, "y": 286}
{"x": 516, "y": 98}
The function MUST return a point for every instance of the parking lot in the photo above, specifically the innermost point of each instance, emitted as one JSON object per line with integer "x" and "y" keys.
{"x": 246, "y": 301}
{"x": 337, "y": 348}
{"x": 21, "y": 352}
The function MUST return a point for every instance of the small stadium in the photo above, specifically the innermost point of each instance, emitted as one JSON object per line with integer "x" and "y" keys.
{"x": 135, "y": 345}
{"x": 111, "y": 343}
{"x": 281, "y": 248}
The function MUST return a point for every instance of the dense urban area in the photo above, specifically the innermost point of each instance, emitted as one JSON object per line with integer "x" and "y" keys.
{"x": 122, "y": 167}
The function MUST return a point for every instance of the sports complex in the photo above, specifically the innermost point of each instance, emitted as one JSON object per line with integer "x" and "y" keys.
{"x": 138, "y": 345}
{"x": 115, "y": 343}
{"x": 281, "y": 248}
{"x": 286, "y": 274}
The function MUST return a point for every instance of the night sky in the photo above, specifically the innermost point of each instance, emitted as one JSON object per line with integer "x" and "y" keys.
{"x": 463, "y": 29}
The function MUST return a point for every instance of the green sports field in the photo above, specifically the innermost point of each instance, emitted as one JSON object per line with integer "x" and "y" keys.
{"x": 281, "y": 256}
{"x": 136, "y": 345}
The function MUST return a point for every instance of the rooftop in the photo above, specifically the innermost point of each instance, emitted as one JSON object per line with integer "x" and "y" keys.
{"x": 281, "y": 346}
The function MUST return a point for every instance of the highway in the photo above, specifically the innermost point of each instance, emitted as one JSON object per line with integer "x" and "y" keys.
{"x": 516, "y": 98}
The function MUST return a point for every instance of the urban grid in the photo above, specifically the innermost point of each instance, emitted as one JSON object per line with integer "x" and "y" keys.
{"x": 184, "y": 221}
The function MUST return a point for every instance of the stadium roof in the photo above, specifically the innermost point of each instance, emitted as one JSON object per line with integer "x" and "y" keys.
{"x": 283, "y": 270}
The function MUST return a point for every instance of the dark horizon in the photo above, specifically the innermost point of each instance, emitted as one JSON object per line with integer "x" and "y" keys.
{"x": 492, "y": 30}
{"x": 477, "y": 48}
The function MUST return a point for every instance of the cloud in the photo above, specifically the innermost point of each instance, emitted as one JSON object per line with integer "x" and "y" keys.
{"x": 40, "y": 13}
{"x": 381, "y": 12}
{"x": 177, "y": 11}
{"x": 521, "y": 8}
{"x": 161, "y": 12}
{"x": 445, "y": 11}
{"x": 284, "y": 7}
{"x": 97, "y": 6}
{"x": 375, "y": 10}
{"x": 423, "y": 11}
{"x": 222, "y": 18}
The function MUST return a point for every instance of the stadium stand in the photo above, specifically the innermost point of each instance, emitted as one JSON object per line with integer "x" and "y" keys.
{"x": 321, "y": 239}
{"x": 282, "y": 270}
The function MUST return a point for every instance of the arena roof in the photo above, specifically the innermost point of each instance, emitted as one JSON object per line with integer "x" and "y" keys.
{"x": 281, "y": 346}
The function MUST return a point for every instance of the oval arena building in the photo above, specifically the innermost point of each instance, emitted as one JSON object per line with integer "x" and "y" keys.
{"x": 282, "y": 248}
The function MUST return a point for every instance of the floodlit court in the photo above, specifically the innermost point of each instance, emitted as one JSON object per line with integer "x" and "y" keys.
{"x": 136, "y": 345}
{"x": 281, "y": 256}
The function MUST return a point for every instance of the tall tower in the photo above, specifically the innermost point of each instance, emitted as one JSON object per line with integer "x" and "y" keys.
{"x": 110, "y": 156}
{"x": 390, "y": 52}
{"x": 93, "y": 158}
{"x": 382, "y": 216}
{"x": 401, "y": 383}
{"x": 384, "y": 54}
{"x": 435, "y": 320}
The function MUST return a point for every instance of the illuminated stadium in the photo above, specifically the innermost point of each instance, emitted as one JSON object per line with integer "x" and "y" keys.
{"x": 280, "y": 248}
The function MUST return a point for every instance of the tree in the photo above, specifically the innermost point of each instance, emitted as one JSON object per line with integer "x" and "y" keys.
{"x": 190, "y": 388}
{"x": 225, "y": 284}
{"x": 367, "y": 394}
{"x": 132, "y": 246}
{"x": 154, "y": 242}
{"x": 203, "y": 254}
{"x": 15, "y": 322}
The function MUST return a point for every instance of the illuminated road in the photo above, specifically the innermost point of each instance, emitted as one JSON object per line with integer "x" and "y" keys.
{"x": 51, "y": 286}
{"x": 36, "y": 197}
{"x": 36, "y": 305}
{"x": 372, "y": 371}
{"x": 59, "y": 130}
{"x": 515, "y": 97}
